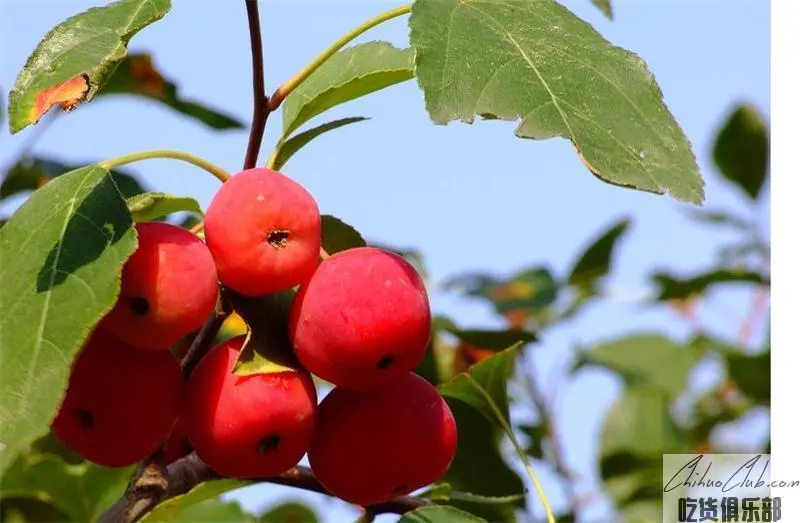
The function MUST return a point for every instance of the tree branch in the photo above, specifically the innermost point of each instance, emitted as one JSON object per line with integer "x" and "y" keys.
{"x": 188, "y": 472}
{"x": 204, "y": 340}
{"x": 260, "y": 101}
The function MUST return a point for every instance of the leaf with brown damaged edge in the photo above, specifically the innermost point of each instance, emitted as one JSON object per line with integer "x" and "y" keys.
{"x": 67, "y": 94}
{"x": 76, "y": 58}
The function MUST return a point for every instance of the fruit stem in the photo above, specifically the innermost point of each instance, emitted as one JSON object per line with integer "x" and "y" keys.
{"x": 290, "y": 85}
{"x": 218, "y": 172}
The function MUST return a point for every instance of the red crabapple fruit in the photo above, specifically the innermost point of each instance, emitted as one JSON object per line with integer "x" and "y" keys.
{"x": 248, "y": 426}
{"x": 264, "y": 230}
{"x": 362, "y": 319}
{"x": 169, "y": 288}
{"x": 370, "y": 447}
{"x": 121, "y": 402}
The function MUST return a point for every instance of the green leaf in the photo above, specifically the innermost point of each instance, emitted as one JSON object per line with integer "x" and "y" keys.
{"x": 646, "y": 359}
{"x": 605, "y": 7}
{"x": 338, "y": 236}
{"x": 136, "y": 75}
{"x": 484, "y": 386}
{"x": 77, "y": 490}
{"x": 536, "y": 62}
{"x": 77, "y": 57}
{"x": 438, "y": 514}
{"x": 444, "y": 492}
{"x": 349, "y": 74}
{"x": 215, "y": 510}
{"x": 267, "y": 347}
{"x": 62, "y": 256}
{"x": 180, "y": 507}
{"x": 485, "y": 339}
{"x": 751, "y": 373}
{"x": 639, "y": 423}
{"x": 673, "y": 288}
{"x": 285, "y": 149}
{"x": 28, "y": 174}
{"x": 152, "y": 205}
{"x": 28, "y": 510}
{"x": 595, "y": 262}
{"x": 290, "y": 512}
{"x": 533, "y": 290}
{"x": 719, "y": 217}
{"x": 479, "y": 466}
{"x": 741, "y": 149}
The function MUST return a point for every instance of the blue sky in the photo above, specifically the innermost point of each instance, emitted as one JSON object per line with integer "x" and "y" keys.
{"x": 469, "y": 197}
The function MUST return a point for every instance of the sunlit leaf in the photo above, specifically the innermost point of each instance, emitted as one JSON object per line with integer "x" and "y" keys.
{"x": 651, "y": 360}
{"x": 535, "y": 62}
{"x": 62, "y": 256}
{"x": 349, "y": 74}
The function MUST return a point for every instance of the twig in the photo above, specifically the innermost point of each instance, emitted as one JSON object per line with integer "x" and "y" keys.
{"x": 547, "y": 419}
{"x": 208, "y": 332}
{"x": 146, "y": 489}
{"x": 186, "y": 473}
{"x": 760, "y": 302}
{"x": 260, "y": 101}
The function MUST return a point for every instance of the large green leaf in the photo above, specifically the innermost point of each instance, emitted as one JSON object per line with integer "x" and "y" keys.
{"x": 484, "y": 386}
{"x": 137, "y": 76}
{"x": 77, "y": 57}
{"x": 149, "y": 206}
{"x": 439, "y": 514}
{"x": 285, "y": 149}
{"x": 536, "y": 62}
{"x": 214, "y": 510}
{"x": 28, "y": 174}
{"x": 349, "y": 74}
{"x": 289, "y": 512}
{"x": 339, "y": 236}
{"x": 61, "y": 256}
{"x": 741, "y": 149}
{"x": 640, "y": 424}
{"x": 179, "y": 508}
{"x": 77, "y": 490}
{"x": 479, "y": 467}
{"x": 675, "y": 288}
{"x": 645, "y": 359}
{"x": 595, "y": 262}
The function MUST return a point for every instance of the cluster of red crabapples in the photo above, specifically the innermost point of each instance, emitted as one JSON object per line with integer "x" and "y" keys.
{"x": 360, "y": 320}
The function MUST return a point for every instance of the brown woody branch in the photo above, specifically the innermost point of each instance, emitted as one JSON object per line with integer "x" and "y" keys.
{"x": 204, "y": 340}
{"x": 144, "y": 494}
{"x": 260, "y": 101}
